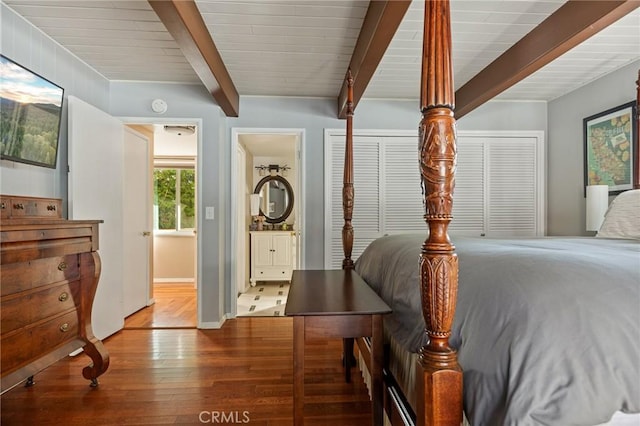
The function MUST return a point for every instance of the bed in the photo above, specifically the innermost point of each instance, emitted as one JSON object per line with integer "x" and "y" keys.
{"x": 544, "y": 334}
{"x": 584, "y": 366}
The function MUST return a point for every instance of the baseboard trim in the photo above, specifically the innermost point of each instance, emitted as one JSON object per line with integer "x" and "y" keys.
{"x": 173, "y": 280}
{"x": 213, "y": 324}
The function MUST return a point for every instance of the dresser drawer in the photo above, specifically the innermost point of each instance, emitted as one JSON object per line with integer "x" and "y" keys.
{"x": 21, "y": 310}
{"x": 5, "y": 207}
{"x": 55, "y": 332}
{"x": 16, "y": 277}
{"x": 20, "y": 348}
{"x": 55, "y": 300}
{"x": 15, "y": 351}
{"x": 22, "y": 207}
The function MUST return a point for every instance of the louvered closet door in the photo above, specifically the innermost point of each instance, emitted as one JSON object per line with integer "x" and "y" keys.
{"x": 496, "y": 192}
{"x": 366, "y": 217}
{"x": 469, "y": 192}
{"x": 511, "y": 187}
{"x": 402, "y": 206}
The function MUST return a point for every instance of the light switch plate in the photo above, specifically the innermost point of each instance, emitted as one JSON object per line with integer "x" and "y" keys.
{"x": 209, "y": 213}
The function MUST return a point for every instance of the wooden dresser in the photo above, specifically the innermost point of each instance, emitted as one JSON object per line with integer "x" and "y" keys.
{"x": 49, "y": 271}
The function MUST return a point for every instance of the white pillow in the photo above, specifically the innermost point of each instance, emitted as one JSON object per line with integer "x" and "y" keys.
{"x": 622, "y": 219}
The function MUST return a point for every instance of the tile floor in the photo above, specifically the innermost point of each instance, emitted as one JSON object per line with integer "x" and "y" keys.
{"x": 266, "y": 299}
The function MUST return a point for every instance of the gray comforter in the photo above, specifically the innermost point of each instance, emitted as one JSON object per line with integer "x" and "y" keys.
{"x": 547, "y": 329}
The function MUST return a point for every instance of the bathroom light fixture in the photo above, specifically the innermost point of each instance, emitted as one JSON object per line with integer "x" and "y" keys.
{"x": 273, "y": 169}
{"x": 180, "y": 130}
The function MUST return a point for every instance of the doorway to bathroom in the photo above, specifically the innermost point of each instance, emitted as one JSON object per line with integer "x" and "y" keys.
{"x": 267, "y": 202}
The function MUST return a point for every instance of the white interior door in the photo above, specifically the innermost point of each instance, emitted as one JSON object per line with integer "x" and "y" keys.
{"x": 136, "y": 227}
{"x": 96, "y": 174}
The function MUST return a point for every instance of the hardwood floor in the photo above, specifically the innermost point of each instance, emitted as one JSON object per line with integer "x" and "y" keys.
{"x": 240, "y": 372}
{"x": 174, "y": 307}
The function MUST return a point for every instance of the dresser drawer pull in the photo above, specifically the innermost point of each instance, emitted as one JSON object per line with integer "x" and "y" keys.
{"x": 18, "y": 206}
{"x": 63, "y": 296}
{"x": 51, "y": 207}
{"x": 3, "y": 205}
{"x": 64, "y": 327}
{"x": 62, "y": 266}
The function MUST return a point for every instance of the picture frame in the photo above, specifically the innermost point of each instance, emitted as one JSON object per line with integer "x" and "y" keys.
{"x": 611, "y": 147}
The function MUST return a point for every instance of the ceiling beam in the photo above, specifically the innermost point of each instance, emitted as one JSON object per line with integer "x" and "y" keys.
{"x": 183, "y": 20}
{"x": 380, "y": 25}
{"x": 570, "y": 25}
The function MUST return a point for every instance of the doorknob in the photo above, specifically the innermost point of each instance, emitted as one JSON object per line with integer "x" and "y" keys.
{"x": 146, "y": 233}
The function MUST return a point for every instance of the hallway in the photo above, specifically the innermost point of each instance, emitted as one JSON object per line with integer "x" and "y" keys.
{"x": 175, "y": 307}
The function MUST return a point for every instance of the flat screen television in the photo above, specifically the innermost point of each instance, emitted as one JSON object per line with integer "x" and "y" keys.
{"x": 30, "y": 113}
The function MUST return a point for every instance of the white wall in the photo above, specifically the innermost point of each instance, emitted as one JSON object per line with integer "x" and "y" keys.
{"x": 565, "y": 200}
{"x": 173, "y": 258}
{"x": 28, "y": 46}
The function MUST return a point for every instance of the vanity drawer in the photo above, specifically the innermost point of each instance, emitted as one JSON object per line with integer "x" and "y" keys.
{"x": 17, "y": 312}
{"x": 273, "y": 273}
{"x": 16, "y": 277}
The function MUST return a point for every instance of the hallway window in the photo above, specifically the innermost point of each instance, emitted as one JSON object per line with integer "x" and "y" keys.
{"x": 174, "y": 199}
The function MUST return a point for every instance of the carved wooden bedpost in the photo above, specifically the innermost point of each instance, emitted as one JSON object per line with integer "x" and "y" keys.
{"x": 441, "y": 386}
{"x": 636, "y": 171}
{"x": 347, "y": 185}
{"x": 348, "y": 360}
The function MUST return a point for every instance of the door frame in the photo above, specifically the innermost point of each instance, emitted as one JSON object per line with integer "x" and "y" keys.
{"x": 241, "y": 264}
{"x": 298, "y": 209}
{"x": 199, "y": 125}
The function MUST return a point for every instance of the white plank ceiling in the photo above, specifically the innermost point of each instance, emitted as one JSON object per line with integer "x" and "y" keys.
{"x": 303, "y": 48}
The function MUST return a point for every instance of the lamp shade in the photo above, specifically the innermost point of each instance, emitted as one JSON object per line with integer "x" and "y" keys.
{"x": 255, "y": 204}
{"x": 597, "y": 205}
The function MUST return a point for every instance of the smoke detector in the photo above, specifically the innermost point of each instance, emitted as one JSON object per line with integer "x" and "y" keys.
{"x": 180, "y": 130}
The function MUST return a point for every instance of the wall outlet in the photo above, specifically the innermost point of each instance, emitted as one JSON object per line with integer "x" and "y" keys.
{"x": 209, "y": 213}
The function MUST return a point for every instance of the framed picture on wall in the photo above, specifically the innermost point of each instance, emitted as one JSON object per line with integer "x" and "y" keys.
{"x": 610, "y": 139}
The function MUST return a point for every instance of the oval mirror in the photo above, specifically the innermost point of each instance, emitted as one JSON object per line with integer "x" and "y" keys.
{"x": 276, "y": 198}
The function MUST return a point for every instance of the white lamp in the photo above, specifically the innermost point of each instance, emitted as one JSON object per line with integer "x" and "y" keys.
{"x": 597, "y": 205}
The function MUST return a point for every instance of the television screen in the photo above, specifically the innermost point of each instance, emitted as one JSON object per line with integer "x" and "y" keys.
{"x": 30, "y": 112}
